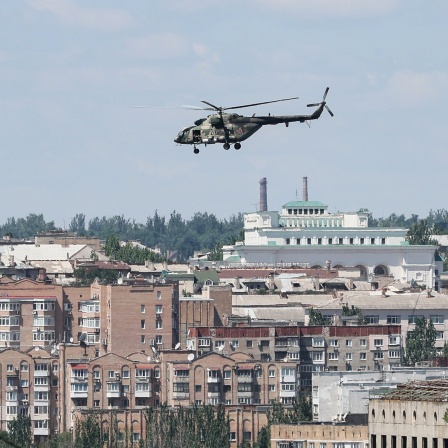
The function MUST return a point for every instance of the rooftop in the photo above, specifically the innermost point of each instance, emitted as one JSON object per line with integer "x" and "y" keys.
{"x": 435, "y": 390}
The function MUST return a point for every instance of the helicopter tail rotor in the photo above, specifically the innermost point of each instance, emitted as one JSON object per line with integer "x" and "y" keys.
{"x": 323, "y": 103}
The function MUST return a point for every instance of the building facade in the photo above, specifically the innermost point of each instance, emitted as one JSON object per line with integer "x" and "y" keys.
{"x": 305, "y": 233}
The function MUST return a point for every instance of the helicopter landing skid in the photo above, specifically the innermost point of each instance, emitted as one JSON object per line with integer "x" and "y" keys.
{"x": 196, "y": 149}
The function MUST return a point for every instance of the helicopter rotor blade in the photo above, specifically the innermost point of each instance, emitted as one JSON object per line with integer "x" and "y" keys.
{"x": 196, "y": 107}
{"x": 259, "y": 104}
{"x": 323, "y": 103}
{"x": 219, "y": 109}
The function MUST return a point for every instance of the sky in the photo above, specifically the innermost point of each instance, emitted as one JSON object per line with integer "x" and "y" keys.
{"x": 72, "y": 72}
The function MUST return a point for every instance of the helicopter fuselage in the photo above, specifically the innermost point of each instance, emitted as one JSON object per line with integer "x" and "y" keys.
{"x": 233, "y": 128}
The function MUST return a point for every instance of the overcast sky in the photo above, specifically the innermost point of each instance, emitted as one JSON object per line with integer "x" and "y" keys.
{"x": 72, "y": 70}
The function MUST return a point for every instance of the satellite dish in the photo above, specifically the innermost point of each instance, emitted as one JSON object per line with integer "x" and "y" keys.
{"x": 148, "y": 358}
{"x": 71, "y": 339}
{"x": 190, "y": 357}
{"x": 82, "y": 337}
{"x": 220, "y": 348}
{"x": 154, "y": 350}
{"x": 177, "y": 346}
{"x": 36, "y": 349}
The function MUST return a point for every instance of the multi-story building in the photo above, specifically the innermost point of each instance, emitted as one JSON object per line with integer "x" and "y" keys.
{"x": 30, "y": 387}
{"x": 413, "y": 415}
{"x": 320, "y": 435}
{"x": 361, "y": 347}
{"x": 30, "y": 313}
{"x": 382, "y": 308}
{"x": 305, "y": 233}
{"x": 340, "y": 394}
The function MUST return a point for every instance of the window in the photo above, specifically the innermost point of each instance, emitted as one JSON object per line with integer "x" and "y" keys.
{"x": 334, "y": 342}
{"x": 219, "y": 343}
{"x": 378, "y": 355}
{"x": 143, "y": 309}
{"x": 318, "y": 342}
{"x": 125, "y": 373}
{"x": 249, "y": 344}
{"x": 288, "y": 386}
{"x": 198, "y": 388}
{"x": 271, "y": 373}
{"x": 372, "y": 319}
{"x": 271, "y": 387}
{"x": 159, "y": 324}
{"x": 159, "y": 309}
{"x": 393, "y": 319}
{"x": 317, "y": 356}
{"x": 142, "y": 373}
{"x": 394, "y": 340}
{"x": 227, "y": 374}
{"x": 333, "y": 356}
{"x": 439, "y": 335}
{"x": 372, "y": 240}
{"x": 204, "y": 342}
{"x": 111, "y": 374}
{"x": 437, "y": 319}
{"x": 363, "y": 342}
{"x": 348, "y": 343}
{"x": 383, "y": 240}
{"x": 288, "y": 241}
{"x": 308, "y": 241}
{"x": 142, "y": 338}
{"x": 348, "y": 356}
{"x": 158, "y": 339}
{"x": 330, "y": 240}
{"x": 76, "y": 373}
{"x": 377, "y": 342}
{"x": 235, "y": 343}
{"x": 413, "y": 319}
{"x": 394, "y": 353}
{"x": 159, "y": 295}
{"x": 142, "y": 324}
{"x": 363, "y": 356}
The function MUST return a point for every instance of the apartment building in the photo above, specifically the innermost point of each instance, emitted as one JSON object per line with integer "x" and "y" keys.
{"x": 312, "y": 348}
{"x": 383, "y": 308}
{"x": 30, "y": 386}
{"x": 30, "y": 313}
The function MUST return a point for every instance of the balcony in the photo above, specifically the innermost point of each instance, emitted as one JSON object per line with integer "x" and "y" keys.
{"x": 41, "y": 431}
{"x": 143, "y": 393}
{"x": 181, "y": 395}
{"x": 41, "y": 373}
{"x": 245, "y": 379}
{"x": 112, "y": 393}
{"x": 287, "y": 393}
{"x": 181, "y": 379}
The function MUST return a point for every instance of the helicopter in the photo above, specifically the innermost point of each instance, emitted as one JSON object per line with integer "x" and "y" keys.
{"x": 231, "y": 128}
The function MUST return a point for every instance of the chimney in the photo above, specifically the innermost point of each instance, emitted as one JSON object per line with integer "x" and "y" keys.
{"x": 263, "y": 195}
{"x": 305, "y": 189}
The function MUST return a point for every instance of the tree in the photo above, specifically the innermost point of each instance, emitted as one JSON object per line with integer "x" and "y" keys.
{"x": 20, "y": 431}
{"x": 89, "y": 432}
{"x": 316, "y": 318}
{"x": 420, "y": 342}
{"x": 196, "y": 427}
{"x": 78, "y": 224}
{"x": 420, "y": 233}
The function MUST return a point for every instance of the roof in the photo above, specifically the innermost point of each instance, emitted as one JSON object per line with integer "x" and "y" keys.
{"x": 305, "y": 204}
{"x": 55, "y": 267}
{"x": 47, "y": 252}
{"x": 365, "y": 300}
{"x": 435, "y": 390}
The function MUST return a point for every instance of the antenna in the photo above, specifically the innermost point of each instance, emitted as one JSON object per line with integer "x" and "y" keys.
{"x": 83, "y": 342}
{"x": 190, "y": 357}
